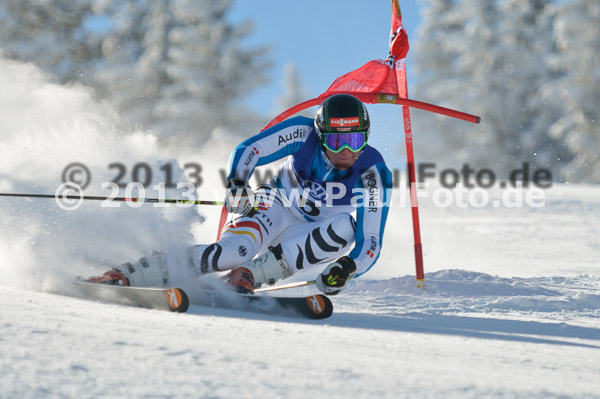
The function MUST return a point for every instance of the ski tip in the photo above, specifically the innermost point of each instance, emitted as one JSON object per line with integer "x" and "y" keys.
{"x": 319, "y": 306}
{"x": 177, "y": 300}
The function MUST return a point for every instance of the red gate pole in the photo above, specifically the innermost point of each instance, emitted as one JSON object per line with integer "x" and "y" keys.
{"x": 414, "y": 203}
{"x": 410, "y": 160}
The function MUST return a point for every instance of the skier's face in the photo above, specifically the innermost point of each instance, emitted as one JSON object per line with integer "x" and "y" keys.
{"x": 342, "y": 160}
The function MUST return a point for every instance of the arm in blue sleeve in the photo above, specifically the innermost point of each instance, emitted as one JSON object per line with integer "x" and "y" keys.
{"x": 272, "y": 144}
{"x": 371, "y": 216}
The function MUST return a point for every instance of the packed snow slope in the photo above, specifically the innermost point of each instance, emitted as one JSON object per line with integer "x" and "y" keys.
{"x": 511, "y": 307}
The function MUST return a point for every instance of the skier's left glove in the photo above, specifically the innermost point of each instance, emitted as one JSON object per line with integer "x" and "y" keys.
{"x": 239, "y": 197}
{"x": 333, "y": 279}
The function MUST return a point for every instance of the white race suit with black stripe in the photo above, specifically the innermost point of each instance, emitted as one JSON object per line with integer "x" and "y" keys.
{"x": 308, "y": 207}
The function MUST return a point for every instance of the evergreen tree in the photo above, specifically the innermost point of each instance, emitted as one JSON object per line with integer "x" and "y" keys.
{"x": 293, "y": 93}
{"x": 187, "y": 72}
{"x": 176, "y": 67}
{"x": 436, "y": 52}
{"x": 122, "y": 47}
{"x": 528, "y": 43}
{"x": 52, "y": 34}
{"x": 578, "y": 59}
{"x": 486, "y": 57}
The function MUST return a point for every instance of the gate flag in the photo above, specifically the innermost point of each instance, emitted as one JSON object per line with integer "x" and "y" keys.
{"x": 377, "y": 76}
{"x": 383, "y": 81}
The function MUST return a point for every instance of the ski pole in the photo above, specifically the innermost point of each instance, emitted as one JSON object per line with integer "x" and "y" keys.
{"x": 285, "y": 286}
{"x": 122, "y": 199}
{"x": 290, "y": 285}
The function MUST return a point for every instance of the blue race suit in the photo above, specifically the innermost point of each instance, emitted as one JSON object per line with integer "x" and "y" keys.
{"x": 365, "y": 187}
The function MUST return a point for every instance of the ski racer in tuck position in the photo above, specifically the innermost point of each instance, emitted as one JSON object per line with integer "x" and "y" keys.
{"x": 303, "y": 217}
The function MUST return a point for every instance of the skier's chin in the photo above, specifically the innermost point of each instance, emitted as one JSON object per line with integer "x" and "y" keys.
{"x": 342, "y": 160}
{"x": 343, "y": 165}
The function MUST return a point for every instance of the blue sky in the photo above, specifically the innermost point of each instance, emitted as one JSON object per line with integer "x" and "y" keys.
{"x": 325, "y": 39}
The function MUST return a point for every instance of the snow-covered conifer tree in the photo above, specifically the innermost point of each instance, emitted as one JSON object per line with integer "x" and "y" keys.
{"x": 487, "y": 57}
{"x": 436, "y": 51}
{"x": 191, "y": 70}
{"x": 52, "y": 34}
{"x": 122, "y": 47}
{"x": 578, "y": 59}
{"x": 293, "y": 93}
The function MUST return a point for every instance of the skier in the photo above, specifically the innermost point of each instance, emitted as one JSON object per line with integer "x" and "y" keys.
{"x": 303, "y": 217}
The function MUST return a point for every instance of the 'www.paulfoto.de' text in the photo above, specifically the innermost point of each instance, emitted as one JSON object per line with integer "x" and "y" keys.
{"x": 372, "y": 199}
{"x": 147, "y": 174}
{"x": 465, "y": 187}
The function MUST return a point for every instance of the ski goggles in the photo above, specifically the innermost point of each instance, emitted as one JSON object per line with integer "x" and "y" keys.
{"x": 354, "y": 141}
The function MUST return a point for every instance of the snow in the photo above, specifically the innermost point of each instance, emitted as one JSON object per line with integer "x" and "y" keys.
{"x": 511, "y": 307}
{"x": 468, "y": 335}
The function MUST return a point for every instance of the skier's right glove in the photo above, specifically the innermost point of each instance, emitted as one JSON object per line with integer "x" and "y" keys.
{"x": 239, "y": 197}
{"x": 333, "y": 279}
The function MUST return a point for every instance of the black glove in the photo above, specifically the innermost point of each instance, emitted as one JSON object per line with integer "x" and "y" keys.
{"x": 333, "y": 279}
{"x": 239, "y": 197}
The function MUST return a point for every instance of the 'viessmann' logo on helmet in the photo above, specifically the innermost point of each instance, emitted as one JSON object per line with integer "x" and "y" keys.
{"x": 344, "y": 122}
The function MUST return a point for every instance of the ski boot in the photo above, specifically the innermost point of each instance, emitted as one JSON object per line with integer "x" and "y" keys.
{"x": 241, "y": 279}
{"x": 266, "y": 269}
{"x": 147, "y": 272}
{"x": 112, "y": 277}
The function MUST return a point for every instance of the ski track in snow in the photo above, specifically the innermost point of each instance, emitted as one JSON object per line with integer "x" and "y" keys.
{"x": 468, "y": 335}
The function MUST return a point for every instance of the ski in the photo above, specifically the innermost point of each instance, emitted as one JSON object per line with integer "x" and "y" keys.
{"x": 314, "y": 307}
{"x": 171, "y": 299}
